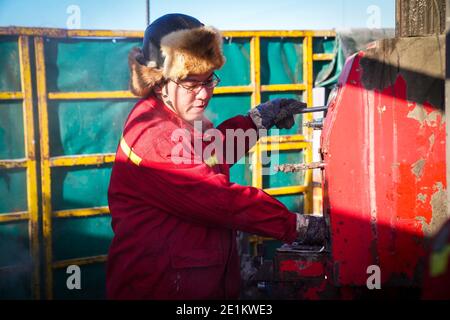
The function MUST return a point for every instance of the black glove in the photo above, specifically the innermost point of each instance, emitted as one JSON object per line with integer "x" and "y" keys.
{"x": 312, "y": 230}
{"x": 278, "y": 112}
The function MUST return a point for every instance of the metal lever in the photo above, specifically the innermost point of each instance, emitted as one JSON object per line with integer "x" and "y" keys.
{"x": 315, "y": 124}
{"x": 299, "y": 167}
{"x": 315, "y": 109}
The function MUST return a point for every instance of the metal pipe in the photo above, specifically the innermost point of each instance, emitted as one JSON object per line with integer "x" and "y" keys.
{"x": 315, "y": 109}
{"x": 299, "y": 167}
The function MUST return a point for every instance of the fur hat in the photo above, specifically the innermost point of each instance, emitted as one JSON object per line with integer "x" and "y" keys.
{"x": 174, "y": 46}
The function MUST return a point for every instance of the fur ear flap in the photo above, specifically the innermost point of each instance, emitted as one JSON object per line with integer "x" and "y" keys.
{"x": 186, "y": 51}
{"x": 192, "y": 51}
{"x": 142, "y": 78}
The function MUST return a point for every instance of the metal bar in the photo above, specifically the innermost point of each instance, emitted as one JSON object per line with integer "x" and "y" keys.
{"x": 259, "y": 239}
{"x": 11, "y": 95}
{"x": 285, "y": 146}
{"x": 277, "y": 34}
{"x": 314, "y": 109}
{"x": 12, "y": 164}
{"x": 255, "y": 70}
{"x": 45, "y": 164}
{"x": 298, "y": 167}
{"x": 323, "y": 56}
{"x": 30, "y": 153}
{"x": 316, "y": 124}
{"x": 308, "y": 117}
{"x": 147, "y": 12}
{"x": 285, "y": 190}
{"x": 88, "y": 212}
{"x": 64, "y": 33}
{"x": 79, "y": 261}
{"x": 15, "y": 216}
{"x": 129, "y": 95}
{"x": 283, "y": 87}
{"x": 281, "y": 139}
{"x": 91, "y": 95}
{"x": 257, "y": 179}
{"x": 255, "y": 73}
{"x": 233, "y": 89}
{"x": 94, "y": 159}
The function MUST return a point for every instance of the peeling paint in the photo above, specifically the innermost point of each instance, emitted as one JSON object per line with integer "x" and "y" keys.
{"x": 418, "y": 113}
{"x": 432, "y": 118}
{"x": 439, "y": 207}
{"x": 432, "y": 139}
{"x": 440, "y": 214}
{"x": 417, "y": 168}
{"x": 423, "y": 223}
{"x": 381, "y": 109}
{"x": 422, "y": 197}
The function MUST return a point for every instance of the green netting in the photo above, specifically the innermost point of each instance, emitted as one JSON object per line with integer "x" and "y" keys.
{"x": 13, "y": 190}
{"x": 281, "y": 61}
{"x": 326, "y": 73}
{"x": 88, "y": 64}
{"x": 236, "y": 71}
{"x": 9, "y": 64}
{"x": 86, "y": 126}
{"x": 14, "y": 244}
{"x": 11, "y": 130}
{"x": 280, "y": 179}
{"x": 224, "y": 107}
{"x": 240, "y": 172}
{"x": 93, "y": 281}
{"x": 92, "y": 234}
{"x": 293, "y": 202}
{"x": 323, "y": 44}
{"x": 319, "y": 67}
{"x": 15, "y": 284}
{"x": 80, "y": 187}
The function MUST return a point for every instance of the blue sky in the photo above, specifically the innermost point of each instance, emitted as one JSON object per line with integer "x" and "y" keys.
{"x": 225, "y": 15}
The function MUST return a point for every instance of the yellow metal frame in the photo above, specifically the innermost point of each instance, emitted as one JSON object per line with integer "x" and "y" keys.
{"x": 28, "y": 163}
{"x": 48, "y": 162}
{"x": 294, "y": 142}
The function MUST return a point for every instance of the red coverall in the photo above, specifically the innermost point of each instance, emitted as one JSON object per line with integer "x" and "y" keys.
{"x": 175, "y": 224}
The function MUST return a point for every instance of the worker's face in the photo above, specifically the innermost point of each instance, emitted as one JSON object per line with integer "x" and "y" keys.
{"x": 189, "y": 97}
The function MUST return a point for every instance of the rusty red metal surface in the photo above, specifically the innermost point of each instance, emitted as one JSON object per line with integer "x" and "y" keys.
{"x": 384, "y": 178}
{"x": 302, "y": 268}
{"x": 294, "y": 265}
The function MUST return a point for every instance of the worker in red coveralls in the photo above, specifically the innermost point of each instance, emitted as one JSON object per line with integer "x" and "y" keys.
{"x": 175, "y": 213}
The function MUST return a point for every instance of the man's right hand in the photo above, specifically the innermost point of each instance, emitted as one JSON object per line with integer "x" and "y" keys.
{"x": 312, "y": 230}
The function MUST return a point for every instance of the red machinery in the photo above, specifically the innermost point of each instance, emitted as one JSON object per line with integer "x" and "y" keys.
{"x": 383, "y": 151}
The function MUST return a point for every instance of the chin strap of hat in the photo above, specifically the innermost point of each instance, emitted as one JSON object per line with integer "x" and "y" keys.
{"x": 166, "y": 99}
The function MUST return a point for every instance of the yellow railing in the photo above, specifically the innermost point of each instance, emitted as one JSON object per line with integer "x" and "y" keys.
{"x": 28, "y": 163}
{"x": 293, "y": 142}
